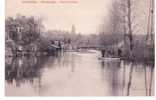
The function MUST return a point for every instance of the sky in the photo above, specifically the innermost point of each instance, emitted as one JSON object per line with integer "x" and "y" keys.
{"x": 86, "y": 15}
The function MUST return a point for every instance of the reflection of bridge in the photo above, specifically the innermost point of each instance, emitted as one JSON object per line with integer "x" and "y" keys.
{"x": 90, "y": 47}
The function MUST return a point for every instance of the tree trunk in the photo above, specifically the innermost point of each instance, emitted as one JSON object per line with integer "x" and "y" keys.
{"x": 130, "y": 26}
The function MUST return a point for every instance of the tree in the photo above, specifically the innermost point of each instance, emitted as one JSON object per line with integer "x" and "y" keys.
{"x": 129, "y": 22}
{"x": 111, "y": 32}
{"x": 23, "y": 30}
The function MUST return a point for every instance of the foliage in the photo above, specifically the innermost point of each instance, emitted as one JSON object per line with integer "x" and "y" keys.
{"x": 23, "y": 30}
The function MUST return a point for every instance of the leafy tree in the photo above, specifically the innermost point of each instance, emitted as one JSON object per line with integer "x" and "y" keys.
{"x": 23, "y": 30}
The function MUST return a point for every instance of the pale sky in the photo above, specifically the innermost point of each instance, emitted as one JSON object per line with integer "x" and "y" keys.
{"x": 86, "y": 15}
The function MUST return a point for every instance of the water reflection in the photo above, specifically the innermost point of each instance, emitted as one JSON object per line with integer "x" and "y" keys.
{"x": 23, "y": 69}
{"x": 128, "y": 78}
{"x": 111, "y": 71}
{"x": 77, "y": 74}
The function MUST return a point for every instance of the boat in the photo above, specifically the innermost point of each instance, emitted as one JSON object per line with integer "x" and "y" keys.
{"x": 109, "y": 58}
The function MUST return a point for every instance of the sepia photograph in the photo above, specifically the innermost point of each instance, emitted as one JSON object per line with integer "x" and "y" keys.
{"x": 79, "y": 48}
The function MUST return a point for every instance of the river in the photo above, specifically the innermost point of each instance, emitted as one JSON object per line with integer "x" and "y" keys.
{"x": 77, "y": 74}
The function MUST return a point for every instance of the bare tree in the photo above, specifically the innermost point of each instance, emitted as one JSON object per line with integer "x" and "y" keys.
{"x": 130, "y": 23}
{"x": 149, "y": 45}
{"x": 111, "y": 32}
{"x": 150, "y": 26}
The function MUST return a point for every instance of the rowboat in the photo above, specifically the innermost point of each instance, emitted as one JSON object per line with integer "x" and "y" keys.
{"x": 109, "y": 58}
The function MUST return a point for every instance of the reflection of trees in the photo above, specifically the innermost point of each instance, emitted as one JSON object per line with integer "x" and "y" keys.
{"x": 151, "y": 80}
{"x": 148, "y": 87}
{"x": 148, "y": 78}
{"x": 121, "y": 77}
{"x": 124, "y": 77}
{"x": 130, "y": 79}
{"x": 23, "y": 68}
{"x": 113, "y": 72}
{"x": 115, "y": 79}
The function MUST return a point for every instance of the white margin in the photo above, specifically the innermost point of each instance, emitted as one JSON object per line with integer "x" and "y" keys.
{"x": 2, "y": 71}
{"x": 2, "y": 19}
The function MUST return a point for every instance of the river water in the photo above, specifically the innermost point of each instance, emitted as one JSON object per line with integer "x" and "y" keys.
{"x": 77, "y": 74}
